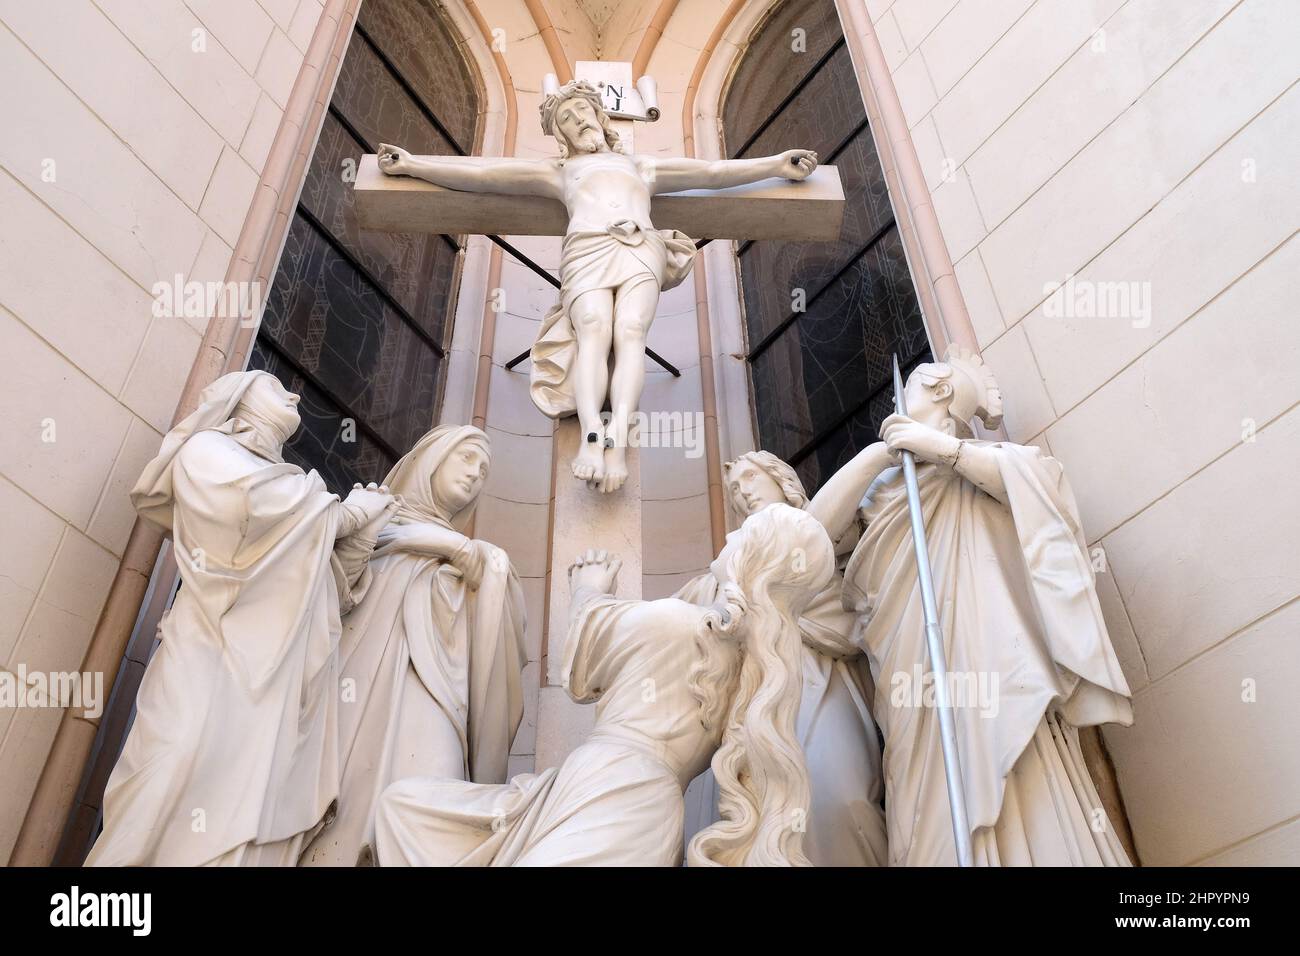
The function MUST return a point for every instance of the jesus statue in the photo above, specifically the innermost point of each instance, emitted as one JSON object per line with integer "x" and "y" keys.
{"x": 614, "y": 262}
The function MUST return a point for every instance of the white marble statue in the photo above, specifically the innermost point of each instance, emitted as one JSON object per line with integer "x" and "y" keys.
{"x": 614, "y": 262}
{"x": 1029, "y": 657}
{"x": 675, "y": 685}
{"x": 232, "y": 759}
{"x": 431, "y": 658}
{"x": 846, "y": 825}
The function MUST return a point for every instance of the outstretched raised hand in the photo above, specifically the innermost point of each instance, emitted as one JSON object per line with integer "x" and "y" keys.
{"x": 594, "y": 570}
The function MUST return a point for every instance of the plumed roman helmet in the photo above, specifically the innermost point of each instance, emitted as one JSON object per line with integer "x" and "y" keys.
{"x": 975, "y": 392}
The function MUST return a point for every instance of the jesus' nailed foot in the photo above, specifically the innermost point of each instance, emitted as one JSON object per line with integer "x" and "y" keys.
{"x": 601, "y": 463}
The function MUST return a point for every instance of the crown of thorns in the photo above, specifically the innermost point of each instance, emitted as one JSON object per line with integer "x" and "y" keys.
{"x": 574, "y": 88}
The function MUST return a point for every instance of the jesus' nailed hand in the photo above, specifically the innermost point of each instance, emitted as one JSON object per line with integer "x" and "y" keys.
{"x": 614, "y": 262}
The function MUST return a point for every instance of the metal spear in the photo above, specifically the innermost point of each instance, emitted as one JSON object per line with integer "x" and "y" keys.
{"x": 934, "y": 643}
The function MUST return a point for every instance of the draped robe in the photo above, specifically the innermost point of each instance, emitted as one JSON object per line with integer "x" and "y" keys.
{"x": 616, "y": 800}
{"x": 431, "y": 670}
{"x": 1017, "y": 605}
{"x": 232, "y": 759}
{"x": 622, "y": 256}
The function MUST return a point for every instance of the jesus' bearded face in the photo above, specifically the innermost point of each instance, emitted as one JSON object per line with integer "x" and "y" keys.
{"x": 578, "y": 122}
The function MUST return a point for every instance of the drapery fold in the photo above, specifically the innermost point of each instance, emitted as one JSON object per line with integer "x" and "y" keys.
{"x": 1023, "y": 633}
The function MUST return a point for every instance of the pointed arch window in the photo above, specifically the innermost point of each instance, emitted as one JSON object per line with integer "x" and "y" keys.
{"x": 822, "y": 319}
{"x": 358, "y": 323}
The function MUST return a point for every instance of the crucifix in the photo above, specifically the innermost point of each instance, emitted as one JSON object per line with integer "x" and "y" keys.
{"x": 626, "y": 220}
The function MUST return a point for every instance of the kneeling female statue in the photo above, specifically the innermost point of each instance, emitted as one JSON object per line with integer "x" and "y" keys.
{"x": 834, "y": 726}
{"x": 676, "y": 685}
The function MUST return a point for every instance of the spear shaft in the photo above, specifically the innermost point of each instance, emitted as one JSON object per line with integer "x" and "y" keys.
{"x": 934, "y": 643}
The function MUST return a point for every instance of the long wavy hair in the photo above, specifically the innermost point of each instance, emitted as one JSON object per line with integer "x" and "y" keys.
{"x": 784, "y": 560}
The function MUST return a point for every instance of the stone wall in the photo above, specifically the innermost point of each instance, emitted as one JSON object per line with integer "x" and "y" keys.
{"x": 135, "y": 134}
{"x": 1148, "y": 150}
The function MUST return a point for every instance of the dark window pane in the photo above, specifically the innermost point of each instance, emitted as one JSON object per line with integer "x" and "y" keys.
{"x": 418, "y": 271}
{"x": 771, "y": 273}
{"x": 834, "y": 451}
{"x": 821, "y": 376}
{"x": 333, "y": 323}
{"x": 772, "y": 66}
{"x": 844, "y": 344}
{"x": 866, "y": 197}
{"x": 780, "y": 403}
{"x": 374, "y": 102}
{"x": 861, "y": 429}
{"x": 821, "y": 117}
{"x": 413, "y": 36}
{"x": 321, "y": 442}
{"x": 355, "y": 321}
{"x": 772, "y": 270}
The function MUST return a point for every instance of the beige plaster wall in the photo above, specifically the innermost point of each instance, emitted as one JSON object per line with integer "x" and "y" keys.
{"x": 1152, "y": 143}
{"x": 128, "y": 158}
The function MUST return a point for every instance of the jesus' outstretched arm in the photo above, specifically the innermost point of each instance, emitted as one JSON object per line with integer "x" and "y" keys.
{"x": 674, "y": 175}
{"x": 516, "y": 177}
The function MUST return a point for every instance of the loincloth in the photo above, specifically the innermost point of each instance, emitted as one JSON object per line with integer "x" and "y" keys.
{"x": 617, "y": 259}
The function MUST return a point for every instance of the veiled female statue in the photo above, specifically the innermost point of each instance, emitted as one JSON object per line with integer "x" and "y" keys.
{"x": 431, "y": 658}
{"x": 232, "y": 759}
{"x": 675, "y": 685}
{"x": 1022, "y": 629}
{"x": 846, "y": 825}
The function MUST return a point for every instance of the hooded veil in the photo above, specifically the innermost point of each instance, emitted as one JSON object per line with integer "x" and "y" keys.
{"x": 153, "y": 494}
{"x": 412, "y": 477}
{"x": 431, "y": 669}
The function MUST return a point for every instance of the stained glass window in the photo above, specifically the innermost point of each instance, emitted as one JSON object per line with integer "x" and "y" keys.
{"x": 358, "y": 323}
{"x": 822, "y": 319}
